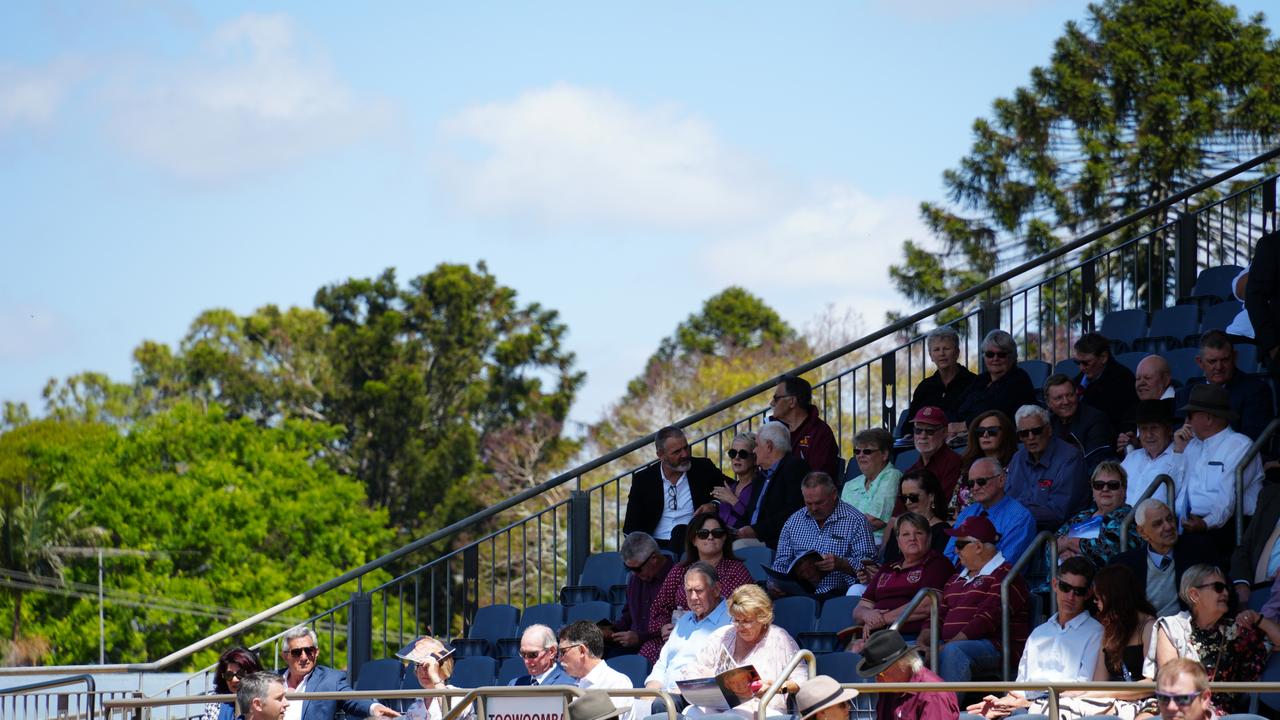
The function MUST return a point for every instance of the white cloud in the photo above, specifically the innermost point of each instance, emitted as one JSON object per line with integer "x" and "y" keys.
{"x": 31, "y": 96}
{"x": 30, "y": 331}
{"x": 566, "y": 155}
{"x": 255, "y": 99}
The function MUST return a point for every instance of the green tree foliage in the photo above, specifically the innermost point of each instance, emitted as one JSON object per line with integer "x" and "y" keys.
{"x": 730, "y": 321}
{"x": 1143, "y": 99}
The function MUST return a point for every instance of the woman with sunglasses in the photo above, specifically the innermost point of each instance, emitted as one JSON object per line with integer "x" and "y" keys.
{"x": 1001, "y": 385}
{"x": 1095, "y": 531}
{"x": 896, "y": 583}
{"x": 875, "y": 490}
{"x": 920, "y": 492}
{"x": 433, "y": 666}
{"x": 991, "y": 434}
{"x": 708, "y": 540}
{"x": 1230, "y": 648}
{"x": 738, "y": 499}
{"x": 234, "y": 664}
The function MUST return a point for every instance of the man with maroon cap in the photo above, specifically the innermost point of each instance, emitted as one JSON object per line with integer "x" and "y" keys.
{"x": 928, "y": 431}
{"x": 969, "y": 611}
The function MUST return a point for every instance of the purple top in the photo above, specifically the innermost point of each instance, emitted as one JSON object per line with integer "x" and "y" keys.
{"x": 640, "y": 596}
{"x": 739, "y": 513}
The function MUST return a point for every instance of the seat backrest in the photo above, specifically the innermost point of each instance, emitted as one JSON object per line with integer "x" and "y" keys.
{"x": 1216, "y": 281}
{"x": 837, "y": 613}
{"x": 904, "y": 460}
{"x": 795, "y": 614}
{"x": 1174, "y": 323}
{"x": 1182, "y": 364}
{"x": 381, "y": 674}
{"x": 1124, "y": 326}
{"x": 843, "y": 666}
{"x": 493, "y": 622}
{"x": 603, "y": 571}
{"x": 549, "y": 614}
{"x": 1218, "y": 317}
{"x": 471, "y": 672}
{"x": 1131, "y": 359}
{"x": 756, "y": 558}
{"x": 1067, "y": 367}
{"x": 511, "y": 669}
{"x": 635, "y": 667}
{"x": 1039, "y": 371}
{"x": 1246, "y": 357}
{"x": 594, "y": 611}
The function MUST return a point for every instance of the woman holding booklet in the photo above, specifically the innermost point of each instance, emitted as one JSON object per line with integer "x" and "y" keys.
{"x": 1095, "y": 532}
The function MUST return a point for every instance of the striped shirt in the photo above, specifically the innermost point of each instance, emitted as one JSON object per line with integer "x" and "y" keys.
{"x": 971, "y": 605}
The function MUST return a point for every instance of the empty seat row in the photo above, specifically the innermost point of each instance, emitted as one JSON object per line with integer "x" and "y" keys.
{"x": 1166, "y": 329}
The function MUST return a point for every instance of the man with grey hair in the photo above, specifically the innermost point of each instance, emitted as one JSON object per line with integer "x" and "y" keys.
{"x": 1001, "y": 385}
{"x": 668, "y": 493}
{"x": 1159, "y": 566}
{"x": 1014, "y": 523}
{"x": 888, "y": 658}
{"x": 947, "y": 387}
{"x": 707, "y": 613}
{"x": 648, "y": 567}
{"x": 835, "y": 530}
{"x": 780, "y": 475}
{"x": 538, "y": 651}
{"x": 1047, "y": 474}
{"x": 261, "y": 695}
{"x": 303, "y": 674}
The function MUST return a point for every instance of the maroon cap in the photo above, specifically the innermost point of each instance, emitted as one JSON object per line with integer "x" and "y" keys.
{"x": 930, "y": 415}
{"x": 978, "y": 527}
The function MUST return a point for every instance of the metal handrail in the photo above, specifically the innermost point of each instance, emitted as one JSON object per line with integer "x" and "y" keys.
{"x": 935, "y": 595}
{"x": 1248, "y": 457}
{"x": 1131, "y": 518}
{"x": 802, "y": 654}
{"x": 90, "y": 688}
{"x": 1044, "y": 538}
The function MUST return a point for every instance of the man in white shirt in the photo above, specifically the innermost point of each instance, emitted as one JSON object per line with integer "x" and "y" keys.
{"x": 581, "y": 647}
{"x": 1063, "y": 649}
{"x": 1154, "y": 454}
{"x": 1206, "y": 452}
{"x": 667, "y": 494}
{"x": 303, "y": 674}
{"x": 707, "y": 613}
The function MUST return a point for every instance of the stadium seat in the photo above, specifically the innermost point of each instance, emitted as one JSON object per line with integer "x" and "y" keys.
{"x": 1182, "y": 364}
{"x": 1123, "y": 327}
{"x": 843, "y": 666}
{"x": 474, "y": 672}
{"x": 1039, "y": 371}
{"x": 593, "y": 611}
{"x": 1131, "y": 359}
{"x": 1067, "y": 367}
{"x": 1216, "y": 317}
{"x": 1271, "y": 673}
{"x": 1213, "y": 285}
{"x": 506, "y": 648}
{"x": 1247, "y": 357}
{"x": 1169, "y": 327}
{"x": 635, "y": 667}
{"x": 600, "y": 574}
{"x": 549, "y": 614}
{"x": 904, "y": 460}
{"x": 470, "y": 647}
{"x": 492, "y": 623}
{"x": 1259, "y": 597}
{"x": 837, "y": 613}
{"x": 511, "y": 669}
{"x": 755, "y": 558}
{"x": 408, "y": 681}
{"x": 381, "y": 674}
{"x": 795, "y": 614}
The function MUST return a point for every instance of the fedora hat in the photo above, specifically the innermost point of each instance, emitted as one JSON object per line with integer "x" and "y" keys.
{"x": 1153, "y": 411}
{"x": 882, "y": 649}
{"x": 1213, "y": 399}
{"x": 818, "y": 694}
{"x": 593, "y": 705}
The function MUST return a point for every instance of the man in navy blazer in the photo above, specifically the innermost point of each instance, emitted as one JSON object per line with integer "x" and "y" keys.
{"x": 302, "y": 674}
{"x": 538, "y": 650}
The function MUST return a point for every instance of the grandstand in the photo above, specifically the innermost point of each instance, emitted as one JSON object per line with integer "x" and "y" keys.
{"x": 1152, "y": 282}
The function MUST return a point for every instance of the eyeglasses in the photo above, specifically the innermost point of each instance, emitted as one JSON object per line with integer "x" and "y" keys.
{"x": 865, "y": 451}
{"x": 296, "y": 653}
{"x": 1067, "y": 587}
{"x": 1178, "y": 699}
{"x": 978, "y": 481}
{"x": 927, "y": 430}
{"x": 1106, "y": 484}
{"x": 1218, "y": 586}
{"x": 1031, "y": 432}
{"x": 233, "y": 674}
{"x": 532, "y": 654}
{"x": 987, "y": 431}
{"x": 996, "y": 354}
{"x": 910, "y": 498}
{"x": 671, "y": 498}
{"x": 639, "y": 567}
{"x": 566, "y": 648}
{"x": 961, "y": 544}
{"x": 774, "y": 400}
{"x": 706, "y": 534}
{"x": 744, "y": 454}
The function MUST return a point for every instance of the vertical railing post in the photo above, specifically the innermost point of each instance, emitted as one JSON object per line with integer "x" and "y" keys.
{"x": 359, "y": 634}
{"x": 888, "y": 389}
{"x": 579, "y": 534}
{"x": 1088, "y": 296}
{"x": 988, "y": 320}
{"x": 1185, "y": 254}
{"x": 471, "y": 584}
{"x": 1268, "y": 204}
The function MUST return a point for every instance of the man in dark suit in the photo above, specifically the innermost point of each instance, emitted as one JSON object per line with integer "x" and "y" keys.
{"x": 1104, "y": 383}
{"x": 302, "y": 674}
{"x": 669, "y": 493}
{"x": 538, "y": 651}
{"x": 1262, "y": 299}
{"x": 1159, "y": 566}
{"x": 1252, "y": 561}
{"x": 1250, "y": 397}
{"x": 780, "y": 496}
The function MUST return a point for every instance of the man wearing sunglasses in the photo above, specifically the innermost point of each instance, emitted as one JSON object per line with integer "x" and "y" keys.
{"x": 303, "y": 674}
{"x": 669, "y": 493}
{"x": 1104, "y": 383}
{"x": 1063, "y": 649}
{"x": 1046, "y": 474}
{"x": 811, "y": 436}
{"x": 648, "y": 567}
{"x": 538, "y": 651}
{"x": 1182, "y": 691}
{"x": 1014, "y": 523}
{"x": 929, "y": 434}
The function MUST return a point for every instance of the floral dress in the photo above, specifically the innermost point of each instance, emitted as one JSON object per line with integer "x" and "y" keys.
{"x": 1229, "y": 653}
{"x": 1104, "y": 548}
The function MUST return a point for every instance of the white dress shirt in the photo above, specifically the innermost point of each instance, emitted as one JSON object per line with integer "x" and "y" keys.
{"x": 1141, "y": 469}
{"x": 294, "y": 711}
{"x": 1205, "y": 477}
{"x": 606, "y": 678}
{"x": 1061, "y": 654}
{"x": 684, "y": 506}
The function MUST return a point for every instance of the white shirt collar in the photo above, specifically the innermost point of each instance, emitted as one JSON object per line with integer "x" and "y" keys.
{"x": 987, "y": 569}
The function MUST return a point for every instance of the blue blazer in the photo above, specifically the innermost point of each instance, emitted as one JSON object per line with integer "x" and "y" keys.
{"x": 326, "y": 679}
{"x": 557, "y": 677}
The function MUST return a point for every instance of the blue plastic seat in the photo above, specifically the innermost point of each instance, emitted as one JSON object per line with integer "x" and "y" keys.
{"x": 593, "y": 611}
{"x": 1039, "y": 371}
{"x": 1067, "y": 367}
{"x": 836, "y": 615}
{"x": 796, "y": 614}
{"x": 904, "y": 460}
{"x": 491, "y": 624}
{"x": 1182, "y": 364}
{"x": 755, "y": 558}
{"x": 1169, "y": 328}
{"x": 1217, "y": 317}
{"x": 635, "y": 667}
{"x": 473, "y": 672}
{"x": 1213, "y": 284}
{"x": 470, "y": 647}
{"x": 549, "y": 614}
{"x": 511, "y": 669}
{"x": 1123, "y": 327}
{"x": 1131, "y": 359}
{"x": 381, "y": 674}
{"x": 843, "y": 666}
{"x": 600, "y": 574}
{"x": 1247, "y": 357}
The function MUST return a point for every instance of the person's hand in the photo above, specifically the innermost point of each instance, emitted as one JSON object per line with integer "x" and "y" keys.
{"x": 1243, "y": 591}
{"x": 1181, "y": 437}
{"x": 1194, "y": 523}
{"x": 724, "y": 495}
{"x": 380, "y": 710}
{"x": 706, "y": 508}
{"x": 666, "y": 630}
{"x": 774, "y": 591}
{"x": 747, "y": 532}
{"x": 1247, "y": 618}
{"x": 626, "y": 638}
{"x": 827, "y": 563}
{"x": 981, "y": 707}
{"x": 856, "y": 645}
{"x": 1123, "y": 441}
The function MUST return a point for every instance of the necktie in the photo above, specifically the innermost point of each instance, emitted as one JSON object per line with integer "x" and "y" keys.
{"x": 1164, "y": 563}
{"x": 533, "y": 681}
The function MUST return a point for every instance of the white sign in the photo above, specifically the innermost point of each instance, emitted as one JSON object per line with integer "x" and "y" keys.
{"x": 527, "y": 707}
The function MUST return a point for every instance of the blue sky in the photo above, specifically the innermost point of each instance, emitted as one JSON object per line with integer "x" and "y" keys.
{"x": 618, "y": 162}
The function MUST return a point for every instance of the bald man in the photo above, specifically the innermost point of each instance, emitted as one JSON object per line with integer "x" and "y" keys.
{"x": 1153, "y": 381}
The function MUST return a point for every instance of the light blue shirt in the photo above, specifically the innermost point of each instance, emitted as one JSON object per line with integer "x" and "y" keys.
{"x": 1016, "y": 525}
{"x": 1053, "y": 487}
{"x": 681, "y": 649}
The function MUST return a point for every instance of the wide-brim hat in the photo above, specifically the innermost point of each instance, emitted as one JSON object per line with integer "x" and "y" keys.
{"x": 884, "y": 648}
{"x": 819, "y": 693}
{"x": 593, "y": 705}
{"x": 1213, "y": 399}
{"x": 1154, "y": 411}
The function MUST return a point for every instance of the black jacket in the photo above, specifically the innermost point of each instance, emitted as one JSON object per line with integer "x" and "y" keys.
{"x": 781, "y": 499}
{"x": 1262, "y": 294}
{"x": 1184, "y": 556}
{"x": 1244, "y": 560}
{"x": 932, "y": 391}
{"x": 1006, "y": 395}
{"x": 1113, "y": 393}
{"x": 644, "y": 504}
{"x": 1250, "y": 398}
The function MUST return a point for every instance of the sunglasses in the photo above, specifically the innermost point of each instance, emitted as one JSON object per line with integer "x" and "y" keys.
{"x": 705, "y": 534}
{"x": 296, "y": 653}
{"x": 865, "y": 451}
{"x": 532, "y": 654}
{"x": 233, "y": 674}
{"x": 1218, "y": 586}
{"x": 979, "y": 481}
{"x": 911, "y": 498}
{"x": 1067, "y": 587}
{"x": 987, "y": 431}
{"x": 744, "y": 454}
{"x": 639, "y": 567}
{"x": 566, "y": 648}
{"x": 996, "y": 354}
{"x": 962, "y": 544}
{"x": 927, "y": 430}
{"x": 672, "y": 503}
{"x": 1106, "y": 484}
{"x": 1031, "y": 432}
{"x": 1177, "y": 699}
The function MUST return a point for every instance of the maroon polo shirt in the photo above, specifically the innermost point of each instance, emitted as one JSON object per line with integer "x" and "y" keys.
{"x": 921, "y": 705}
{"x": 814, "y": 443}
{"x": 895, "y": 585}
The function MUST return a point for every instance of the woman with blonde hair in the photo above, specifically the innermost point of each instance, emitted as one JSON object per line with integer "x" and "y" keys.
{"x": 433, "y": 666}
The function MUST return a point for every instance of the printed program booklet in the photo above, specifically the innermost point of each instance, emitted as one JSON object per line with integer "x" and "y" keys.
{"x": 727, "y": 690}
{"x": 787, "y": 581}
